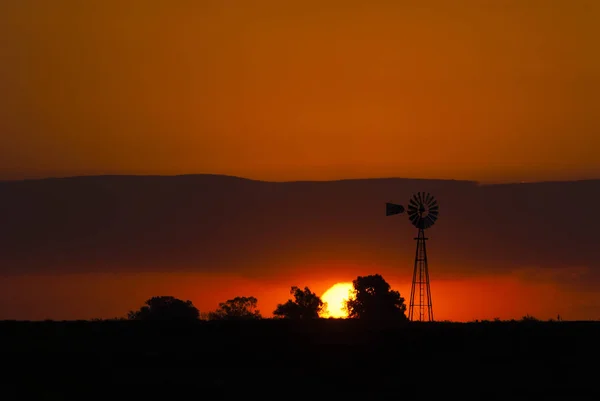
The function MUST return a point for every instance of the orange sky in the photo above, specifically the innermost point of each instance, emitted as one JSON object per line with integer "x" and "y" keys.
{"x": 275, "y": 90}
{"x": 97, "y": 247}
{"x": 298, "y": 89}
{"x": 86, "y": 296}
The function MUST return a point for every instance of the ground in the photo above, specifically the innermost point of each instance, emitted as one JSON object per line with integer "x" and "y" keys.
{"x": 320, "y": 360}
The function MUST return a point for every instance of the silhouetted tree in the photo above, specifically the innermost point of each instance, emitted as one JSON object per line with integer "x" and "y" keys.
{"x": 373, "y": 299}
{"x": 238, "y": 308}
{"x": 165, "y": 308}
{"x": 306, "y": 305}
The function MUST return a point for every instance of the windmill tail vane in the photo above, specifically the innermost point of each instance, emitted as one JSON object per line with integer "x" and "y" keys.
{"x": 392, "y": 209}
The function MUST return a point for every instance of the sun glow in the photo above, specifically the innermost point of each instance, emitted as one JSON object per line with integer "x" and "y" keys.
{"x": 335, "y": 298}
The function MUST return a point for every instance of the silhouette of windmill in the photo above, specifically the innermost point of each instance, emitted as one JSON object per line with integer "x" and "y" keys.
{"x": 423, "y": 210}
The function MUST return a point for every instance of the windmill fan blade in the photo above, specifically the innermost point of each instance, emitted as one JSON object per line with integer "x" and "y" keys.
{"x": 392, "y": 209}
{"x": 414, "y": 219}
{"x": 435, "y": 212}
{"x": 428, "y": 197}
{"x": 431, "y": 220}
{"x": 413, "y": 201}
{"x": 433, "y": 204}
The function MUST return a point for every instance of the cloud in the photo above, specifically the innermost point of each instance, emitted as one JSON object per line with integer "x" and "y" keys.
{"x": 250, "y": 228}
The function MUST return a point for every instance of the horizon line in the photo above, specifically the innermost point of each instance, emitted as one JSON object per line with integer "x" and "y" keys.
{"x": 474, "y": 181}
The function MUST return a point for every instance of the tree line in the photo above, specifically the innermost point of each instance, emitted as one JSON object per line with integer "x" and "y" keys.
{"x": 371, "y": 298}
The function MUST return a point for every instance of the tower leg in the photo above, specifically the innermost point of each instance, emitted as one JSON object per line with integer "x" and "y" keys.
{"x": 411, "y": 304}
{"x": 420, "y": 281}
{"x": 429, "y": 304}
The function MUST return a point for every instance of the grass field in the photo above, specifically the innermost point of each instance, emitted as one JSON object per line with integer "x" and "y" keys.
{"x": 321, "y": 360}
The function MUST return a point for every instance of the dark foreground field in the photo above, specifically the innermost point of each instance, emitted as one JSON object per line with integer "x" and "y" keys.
{"x": 321, "y": 360}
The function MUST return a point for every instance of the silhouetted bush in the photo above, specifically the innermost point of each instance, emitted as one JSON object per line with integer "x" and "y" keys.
{"x": 238, "y": 308}
{"x": 165, "y": 308}
{"x": 373, "y": 299}
{"x": 306, "y": 305}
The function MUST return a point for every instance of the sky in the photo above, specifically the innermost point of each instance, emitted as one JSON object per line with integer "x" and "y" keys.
{"x": 487, "y": 91}
{"x": 97, "y": 247}
{"x": 498, "y": 91}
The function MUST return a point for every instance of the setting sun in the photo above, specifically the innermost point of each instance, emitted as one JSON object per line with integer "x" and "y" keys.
{"x": 335, "y": 298}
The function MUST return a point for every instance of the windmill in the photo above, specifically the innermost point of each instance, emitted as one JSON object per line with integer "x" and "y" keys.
{"x": 423, "y": 210}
